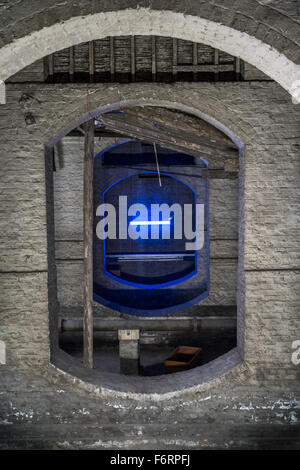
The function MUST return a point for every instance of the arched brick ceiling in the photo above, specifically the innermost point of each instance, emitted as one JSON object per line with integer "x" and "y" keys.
{"x": 275, "y": 22}
{"x": 257, "y": 32}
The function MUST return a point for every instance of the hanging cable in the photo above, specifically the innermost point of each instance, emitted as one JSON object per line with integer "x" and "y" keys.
{"x": 157, "y": 164}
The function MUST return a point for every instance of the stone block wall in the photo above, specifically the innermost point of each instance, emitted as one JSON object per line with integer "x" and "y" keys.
{"x": 256, "y": 404}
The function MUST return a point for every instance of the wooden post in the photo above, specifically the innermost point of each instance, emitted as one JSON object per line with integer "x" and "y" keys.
{"x": 51, "y": 67}
{"x": 91, "y": 61}
{"x": 71, "y": 65}
{"x": 88, "y": 243}
{"x": 216, "y": 62}
{"x": 195, "y": 60}
{"x": 132, "y": 58}
{"x": 154, "y": 59}
{"x": 112, "y": 59}
{"x": 237, "y": 68}
{"x": 175, "y": 55}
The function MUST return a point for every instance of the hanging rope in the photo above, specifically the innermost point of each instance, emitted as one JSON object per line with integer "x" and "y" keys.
{"x": 157, "y": 164}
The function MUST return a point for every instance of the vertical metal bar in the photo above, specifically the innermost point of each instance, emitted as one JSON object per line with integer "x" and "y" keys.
{"x": 175, "y": 58}
{"x": 71, "y": 64}
{"x": 216, "y": 62}
{"x": 132, "y": 58}
{"x": 112, "y": 60}
{"x": 195, "y": 60}
{"x": 153, "y": 58}
{"x": 88, "y": 244}
{"x": 91, "y": 60}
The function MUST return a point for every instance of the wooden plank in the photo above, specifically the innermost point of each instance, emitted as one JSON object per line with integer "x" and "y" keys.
{"x": 71, "y": 64}
{"x": 146, "y": 124}
{"x": 91, "y": 60}
{"x": 51, "y": 67}
{"x": 175, "y": 58}
{"x": 112, "y": 59}
{"x": 46, "y": 68}
{"x": 100, "y": 133}
{"x": 216, "y": 64}
{"x": 88, "y": 244}
{"x": 195, "y": 60}
{"x": 132, "y": 58}
{"x": 153, "y": 58}
{"x": 204, "y": 68}
{"x": 182, "y": 122}
{"x": 182, "y": 146}
{"x": 237, "y": 68}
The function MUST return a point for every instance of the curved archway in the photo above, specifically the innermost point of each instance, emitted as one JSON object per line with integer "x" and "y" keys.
{"x": 26, "y": 50}
{"x": 193, "y": 379}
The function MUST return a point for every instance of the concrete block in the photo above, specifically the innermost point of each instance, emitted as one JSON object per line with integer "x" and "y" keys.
{"x": 129, "y": 351}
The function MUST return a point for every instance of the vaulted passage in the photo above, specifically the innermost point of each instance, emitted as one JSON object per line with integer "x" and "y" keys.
{"x": 165, "y": 237}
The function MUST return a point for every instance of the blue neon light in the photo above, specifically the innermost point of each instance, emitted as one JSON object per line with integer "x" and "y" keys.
{"x": 142, "y": 285}
{"x": 150, "y": 222}
{"x": 162, "y": 310}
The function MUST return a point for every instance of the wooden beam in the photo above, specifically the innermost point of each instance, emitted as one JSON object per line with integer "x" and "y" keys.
{"x": 171, "y": 142}
{"x": 88, "y": 244}
{"x": 180, "y": 121}
{"x": 153, "y": 58}
{"x": 71, "y": 64}
{"x": 204, "y": 68}
{"x": 100, "y": 133}
{"x": 216, "y": 64}
{"x": 112, "y": 59}
{"x": 175, "y": 59}
{"x": 237, "y": 68}
{"x": 132, "y": 58}
{"x": 51, "y": 67}
{"x": 173, "y": 130}
{"x": 91, "y": 60}
{"x": 195, "y": 60}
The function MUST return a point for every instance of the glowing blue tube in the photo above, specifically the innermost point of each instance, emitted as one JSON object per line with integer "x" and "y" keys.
{"x": 150, "y": 222}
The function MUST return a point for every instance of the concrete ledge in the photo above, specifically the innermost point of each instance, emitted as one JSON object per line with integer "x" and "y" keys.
{"x": 154, "y": 388}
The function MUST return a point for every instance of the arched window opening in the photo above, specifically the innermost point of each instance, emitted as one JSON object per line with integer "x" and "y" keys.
{"x": 163, "y": 223}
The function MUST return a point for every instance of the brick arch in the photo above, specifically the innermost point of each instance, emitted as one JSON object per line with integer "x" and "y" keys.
{"x": 276, "y": 22}
{"x": 228, "y": 364}
{"x": 142, "y": 21}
